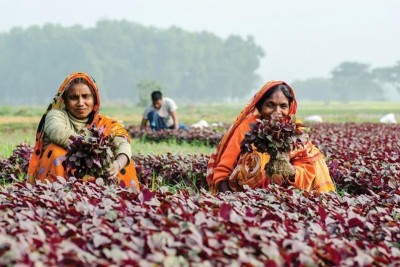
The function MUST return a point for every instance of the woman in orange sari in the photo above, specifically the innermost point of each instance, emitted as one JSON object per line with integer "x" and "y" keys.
{"x": 74, "y": 109}
{"x": 229, "y": 170}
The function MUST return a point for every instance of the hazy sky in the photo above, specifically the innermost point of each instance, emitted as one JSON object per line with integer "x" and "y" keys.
{"x": 301, "y": 38}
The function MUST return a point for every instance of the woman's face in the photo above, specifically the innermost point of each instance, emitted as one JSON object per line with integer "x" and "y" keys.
{"x": 80, "y": 101}
{"x": 277, "y": 104}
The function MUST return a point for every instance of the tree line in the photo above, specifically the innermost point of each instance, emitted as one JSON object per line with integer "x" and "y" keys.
{"x": 121, "y": 56}
{"x": 352, "y": 81}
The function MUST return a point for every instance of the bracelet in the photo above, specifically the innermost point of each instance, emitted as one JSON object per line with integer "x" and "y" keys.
{"x": 119, "y": 164}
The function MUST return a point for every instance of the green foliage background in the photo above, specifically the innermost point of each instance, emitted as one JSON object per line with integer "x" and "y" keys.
{"x": 119, "y": 54}
{"x": 352, "y": 81}
{"x": 190, "y": 67}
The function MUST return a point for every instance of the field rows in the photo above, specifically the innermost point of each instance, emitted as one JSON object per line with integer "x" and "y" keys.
{"x": 174, "y": 221}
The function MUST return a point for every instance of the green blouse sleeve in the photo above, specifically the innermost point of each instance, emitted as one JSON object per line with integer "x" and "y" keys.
{"x": 123, "y": 147}
{"x": 57, "y": 128}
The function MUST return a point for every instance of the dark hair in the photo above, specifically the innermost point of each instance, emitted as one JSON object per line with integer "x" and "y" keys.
{"x": 78, "y": 81}
{"x": 285, "y": 90}
{"x": 156, "y": 95}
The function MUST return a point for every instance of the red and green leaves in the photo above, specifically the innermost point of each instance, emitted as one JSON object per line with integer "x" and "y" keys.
{"x": 209, "y": 136}
{"x": 277, "y": 134}
{"x": 67, "y": 223}
{"x": 90, "y": 154}
{"x": 16, "y": 166}
{"x": 70, "y": 222}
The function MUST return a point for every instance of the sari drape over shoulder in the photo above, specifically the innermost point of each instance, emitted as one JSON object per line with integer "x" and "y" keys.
{"x": 46, "y": 161}
{"x": 226, "y": 163}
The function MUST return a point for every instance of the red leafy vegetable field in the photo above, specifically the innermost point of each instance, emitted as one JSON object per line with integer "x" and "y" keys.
{"x": 73, "y": 224}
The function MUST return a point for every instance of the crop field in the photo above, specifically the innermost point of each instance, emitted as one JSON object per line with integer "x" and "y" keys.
{"x": 175, "y": 221}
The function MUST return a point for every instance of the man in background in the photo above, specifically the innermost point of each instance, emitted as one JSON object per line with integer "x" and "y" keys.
{"x": 161, "y": 113}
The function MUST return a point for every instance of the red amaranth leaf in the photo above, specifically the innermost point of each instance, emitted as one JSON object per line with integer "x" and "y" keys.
{"x": 322, "y": 212}
{"x": 354, "y": 222}
{"x": 145, "y": 195}
{"x": 225, "y": 211}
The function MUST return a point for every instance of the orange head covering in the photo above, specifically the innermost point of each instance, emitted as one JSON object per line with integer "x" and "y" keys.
{"x": 249, "y": 110}
{"x": 58, "y": 103}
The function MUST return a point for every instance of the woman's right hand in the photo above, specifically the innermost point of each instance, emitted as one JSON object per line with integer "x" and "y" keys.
{"x": 112, "y": 172}
{"x": 224, "y": 186}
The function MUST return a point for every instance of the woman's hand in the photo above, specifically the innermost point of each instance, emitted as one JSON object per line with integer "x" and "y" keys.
{"x": 291, "y": 168}
{"x": 114, "y": 169}
{"x": 224, "y": 186}
{"x": 119, "y": 163}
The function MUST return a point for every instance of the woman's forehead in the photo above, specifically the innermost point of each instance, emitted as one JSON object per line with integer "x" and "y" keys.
{"x": 277, "y": 96}
{"x": 82, "y": 88}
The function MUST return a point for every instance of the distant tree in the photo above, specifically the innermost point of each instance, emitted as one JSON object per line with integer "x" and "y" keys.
{"x": 315, "y": 89}
{"x": 145, "y": 88}
{"x": 352, "y": 81}
{"x": 119, "y": 55}
{"x": 388, "y": 77}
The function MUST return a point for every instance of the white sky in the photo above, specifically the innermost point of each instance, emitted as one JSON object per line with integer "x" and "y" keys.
{"x": 302, "y": 38}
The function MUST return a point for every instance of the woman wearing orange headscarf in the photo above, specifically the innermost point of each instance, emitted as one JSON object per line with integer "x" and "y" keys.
{"x": 74, "y": 109}
{"x": 227, "y": 169}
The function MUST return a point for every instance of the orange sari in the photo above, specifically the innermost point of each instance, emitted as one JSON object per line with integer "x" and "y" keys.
{"x": 46, "y": 164}
{"x": 226, "y": 163}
